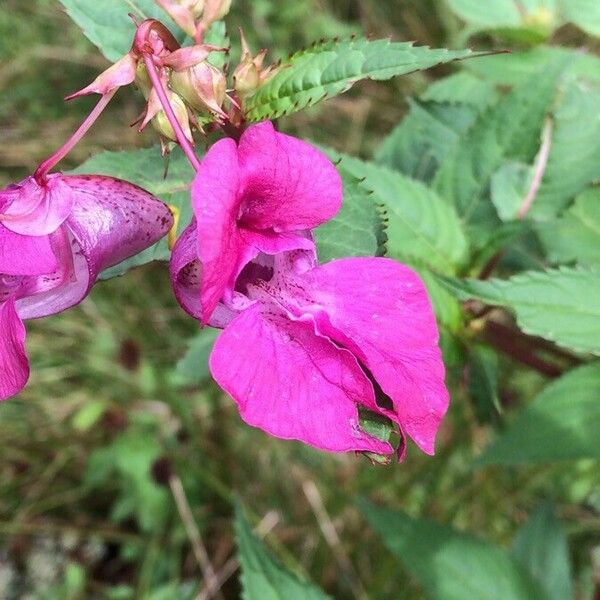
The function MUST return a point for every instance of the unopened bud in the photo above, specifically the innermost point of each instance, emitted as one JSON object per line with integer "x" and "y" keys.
{"x": 161, "y": 123}
{"x": 246, "y": 78}
{"x": 203, "y": 87}
{"x": 214, "y": 10}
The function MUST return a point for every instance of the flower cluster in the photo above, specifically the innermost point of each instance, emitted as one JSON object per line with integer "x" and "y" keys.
{"x": 306, "y": 348}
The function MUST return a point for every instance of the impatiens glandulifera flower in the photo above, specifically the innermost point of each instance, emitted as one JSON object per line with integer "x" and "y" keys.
{"x": 56, "y": 236}
{"x": 260, "y": 195}
{"x": 302, "y": 345}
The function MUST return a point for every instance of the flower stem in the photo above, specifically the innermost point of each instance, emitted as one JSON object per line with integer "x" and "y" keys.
{"x": 540, "y": 169}
{"x": 52, "y": 161}
{"x": 185, "y": 144}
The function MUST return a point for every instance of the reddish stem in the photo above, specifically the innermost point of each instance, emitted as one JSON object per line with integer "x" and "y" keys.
{"x": 185, "y": 144}
{"x": 51, "y": 161}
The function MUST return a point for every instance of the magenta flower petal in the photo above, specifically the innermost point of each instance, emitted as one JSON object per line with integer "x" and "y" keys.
{"x": 287, "y": 184}
{"x": 14, "y": 365}
{"x": 29, "y": 208}
{"x": 292, "y": 383}
{"x": 23, "y": 254}
{"x": 110, "y": 221}
{"x": 216, "y": 205}
{"x": 379, "y": 309}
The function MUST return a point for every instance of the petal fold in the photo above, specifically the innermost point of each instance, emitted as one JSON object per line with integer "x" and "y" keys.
{"x": 379, "y": 309}
{"x": 215, "y": 200}
{"x": 14, "y": 364}
{"x": 25, "y": 254}
{"x": 301, "y": 387}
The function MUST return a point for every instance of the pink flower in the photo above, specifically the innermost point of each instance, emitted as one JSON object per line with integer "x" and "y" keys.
{"x": 302, "y": 345}
{"x": 260, "y": 195}
{"x": 56, "y": 236}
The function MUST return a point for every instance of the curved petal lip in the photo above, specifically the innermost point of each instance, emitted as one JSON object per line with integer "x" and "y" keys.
{"x": 302, "y": 387}
{"x": 14, "y": 364}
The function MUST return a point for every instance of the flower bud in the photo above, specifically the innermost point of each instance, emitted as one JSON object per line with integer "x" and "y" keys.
{"x": 246, "y": 77}
{"x": 203, "y": 87}
{"x": 160, "y": 122}
{"x": 214, "y": 10}
{"x": 183, "y": 12}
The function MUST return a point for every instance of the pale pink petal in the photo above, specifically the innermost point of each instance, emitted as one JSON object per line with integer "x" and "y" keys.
{"x": 120, "y": 74}
{"x": 24, "y": 254}
{"x": 292, "y": 383}
{"x": 29, "y": 208}
{"x": 287, "y": 184}
{"x": 379, "y": 309}
{"x": 14, "y": 365}
{"x": 216, "y": 205}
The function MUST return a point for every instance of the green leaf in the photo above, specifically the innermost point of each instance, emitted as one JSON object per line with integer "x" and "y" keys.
{"x": 584, "y": 13}
{"x": 357, "y": 230}
{"x": 574, "y": 162}
{"x": 575, "y": 236}
{"x": 509, "y": 187}
{"x": 519, "y": 67}
{"x": 461, "y": 88}
{"x": 422, "y": 228}
{"x": 541, "y": 547}
{"x": 562, "y": 423}
{"x": 483, "y": 382}
{"x": 146, "y": 168}
{"x": 107, "y": 24}
{"x": 330, "y": 68}
{"x": 560, "y": 304}
{"x": 263, "y": 577}
{"x": 487, "y": 15}
{"x": 193, "y": 369}
{"x": 423, "y": 139}
{"x": 449, "y": 564}
{"x": 509, "y": 130}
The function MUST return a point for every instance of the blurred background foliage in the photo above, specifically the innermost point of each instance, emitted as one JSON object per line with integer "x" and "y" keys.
{"x": 109, "y": 438}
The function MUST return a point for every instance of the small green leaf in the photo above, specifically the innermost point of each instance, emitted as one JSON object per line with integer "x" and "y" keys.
{"x": 461, "y": 88}
{"x": 509, "y": 188}
{"x": 483, "y": 383}
{"x": 107, "y": 24}
{"x": 487, "y": 15}
{"x": 193, "y": 369}
{"x": 560, "y": 304}
{"x": 425, "y": 137}
{"x": 519, "y": 67}
{"x": 575, "y": 236}
{"x": 330, "y": 68}
{"x": 508, "y": 130}
{"x": 422, "y": 228}
{"x": 449, "y": 564}
{"x": 356, "y": 230}
{"x": 146, "y": 167}
{"x": 88, "y": 415}
{"x": 573, "y": 163}
{"x": 541, "y": 547}
{"x": 263, "y": 577}
{"x": 562, "y": 423}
